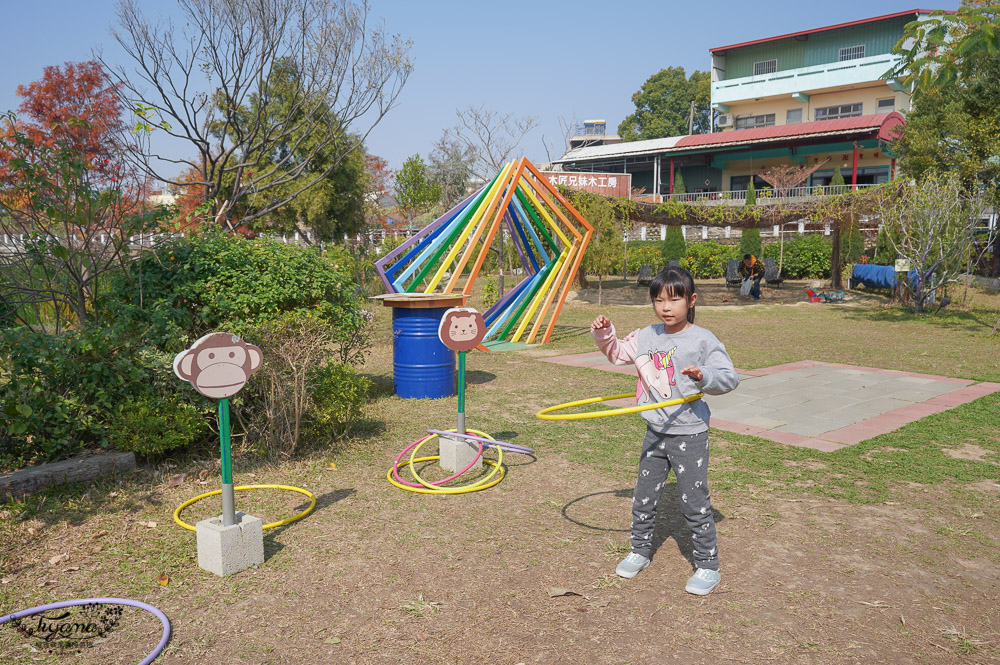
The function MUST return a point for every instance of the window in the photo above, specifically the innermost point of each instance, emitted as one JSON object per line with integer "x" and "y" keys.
{"x": 765, "y": 67}
{"x": 755, "y": 121}
{"x": 887, "y": 105}
{"x": 852, "y": 52}
{"x": 793, "y": 116}
{"x": 841, "y": 111}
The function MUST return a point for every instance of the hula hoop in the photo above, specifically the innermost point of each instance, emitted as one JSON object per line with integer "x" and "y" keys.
{"x": 287, "y": 520}
{"x": 392, "y": 475}
{"x": 104, "y": 601}
{"x": 492, "y": 443}
{"x": 544, "y": 413}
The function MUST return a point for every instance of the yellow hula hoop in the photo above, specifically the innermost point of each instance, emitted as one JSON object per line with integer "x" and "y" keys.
{"x": 544, "y": 414}
{"x": 287, "y": 520}
{"x": 483, "y": 483}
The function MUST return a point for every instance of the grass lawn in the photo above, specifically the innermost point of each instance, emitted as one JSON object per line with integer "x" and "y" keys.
{"x": 883, "y": 550}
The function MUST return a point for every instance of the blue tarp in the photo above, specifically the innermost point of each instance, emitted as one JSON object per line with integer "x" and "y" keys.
{"x": 877, "y": 277}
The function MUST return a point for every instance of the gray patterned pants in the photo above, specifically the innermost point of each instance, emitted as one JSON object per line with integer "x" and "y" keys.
{"x": 687, "y": 455}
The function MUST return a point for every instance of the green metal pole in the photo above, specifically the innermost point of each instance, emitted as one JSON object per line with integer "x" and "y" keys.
{"x": 461, "y": 392}
{"x": 228, "y": 495}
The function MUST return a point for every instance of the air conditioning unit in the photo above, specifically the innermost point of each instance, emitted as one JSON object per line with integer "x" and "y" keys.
{"x": 724, "y": 120}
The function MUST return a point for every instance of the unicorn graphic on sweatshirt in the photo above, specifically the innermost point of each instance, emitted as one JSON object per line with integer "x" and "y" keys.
{"x": 656, "y": 372}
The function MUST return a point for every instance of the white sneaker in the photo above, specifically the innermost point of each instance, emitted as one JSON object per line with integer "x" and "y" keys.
{"x": 703, "y": 581}
{"x": 632, "y": 565}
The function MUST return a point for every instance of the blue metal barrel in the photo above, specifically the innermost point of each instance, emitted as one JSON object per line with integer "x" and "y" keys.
{"x": 423, "y": 367}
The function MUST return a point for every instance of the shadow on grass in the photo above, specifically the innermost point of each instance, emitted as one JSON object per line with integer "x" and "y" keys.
{"x": 272, "y": 546}
{"x": 560, "y": 333}
{"x": 381, "y": 385}
{"x": 955, "y": 319}
{"x": 478, "y": 377}
{"x": 670, "y": 523}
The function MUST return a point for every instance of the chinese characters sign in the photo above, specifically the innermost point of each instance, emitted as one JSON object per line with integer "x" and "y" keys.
{"x": 608, "y": 184}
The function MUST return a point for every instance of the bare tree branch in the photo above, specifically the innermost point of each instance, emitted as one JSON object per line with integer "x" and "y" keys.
{"x": 209, "y": 83}
{"x": 493, "y": 136}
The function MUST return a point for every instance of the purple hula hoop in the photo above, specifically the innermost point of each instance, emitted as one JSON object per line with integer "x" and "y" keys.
{"x": 492, "y": 443}
{"x": 103, "y": 601}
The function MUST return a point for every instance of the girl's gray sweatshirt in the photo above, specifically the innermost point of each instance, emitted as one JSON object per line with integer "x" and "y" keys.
{"x": 659, "y": 358}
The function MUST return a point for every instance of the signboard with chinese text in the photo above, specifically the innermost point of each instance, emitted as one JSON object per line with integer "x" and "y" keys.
{"x": 606, "y": 184}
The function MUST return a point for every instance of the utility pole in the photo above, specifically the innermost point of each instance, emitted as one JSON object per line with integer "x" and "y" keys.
{"x": 691, "y": 119}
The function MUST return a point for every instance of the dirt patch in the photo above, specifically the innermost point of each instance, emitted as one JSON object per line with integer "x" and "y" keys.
{"x": 808, "y": 465}
{"x": 987, "y": 486}
{"x": 970, "y": 452}
{"x": 377, "y": 575}
{"x": 887, "y": 450}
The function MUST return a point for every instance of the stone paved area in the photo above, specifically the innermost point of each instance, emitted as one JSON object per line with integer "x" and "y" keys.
{"x": 819, "y": 405}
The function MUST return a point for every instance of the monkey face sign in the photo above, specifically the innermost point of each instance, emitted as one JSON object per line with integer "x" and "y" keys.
{"x": 218, "y": 365}
{"x": 462, "y": 329}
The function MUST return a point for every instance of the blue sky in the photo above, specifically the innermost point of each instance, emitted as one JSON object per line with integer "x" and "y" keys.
{"x": 550, "y": 59}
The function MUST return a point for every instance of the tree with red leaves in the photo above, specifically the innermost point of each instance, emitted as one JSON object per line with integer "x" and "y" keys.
{"x": 378, "y": 186}
{"x": 69, "y": 207}
{"x": 77, "y": 105}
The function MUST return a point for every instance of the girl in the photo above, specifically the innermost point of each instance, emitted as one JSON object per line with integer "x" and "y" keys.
{"x": 676, "y": 436}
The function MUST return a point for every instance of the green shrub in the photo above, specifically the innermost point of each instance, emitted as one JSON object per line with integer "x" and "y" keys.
{"x": 708, "y": 259}
{"x": 852, "y": 244}
{"x": 838, "y": 177}
{"x": 338, "y": 395}
{"x": 750, "y": 243}
{"x": 673, "y": 246}
{"x": 302, "y": 395}
{"x": 751, "y": 193}
{"x": 806, "y": 256}
{"x": 151, "y": 424}
{"x": 885, "y": 251}
{"x": 679, "y": 187}
{"x": 64, "y": 393}
{"x": 491, "y": 291}
{"x": 643, "y": 253}
{"x": 214, "y": 281}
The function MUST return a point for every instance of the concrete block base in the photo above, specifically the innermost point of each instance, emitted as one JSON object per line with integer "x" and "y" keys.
{"x": 227, "y": 550}
{"x": 456, "y": 453}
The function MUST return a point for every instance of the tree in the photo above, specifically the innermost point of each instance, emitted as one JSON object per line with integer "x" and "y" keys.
{"x": 852, "y": 243}
{"x": 212, "y": 83}
{"x": 190, "y": 200}
{"x": 451, "y": 166}
{"x": 334, "y": 204}
{"x": 605, "y": 246}
{"x": 952, "y": 60}
{"x": 663, "y": 106}
{"x": 492, "y": 137}
{"x": 679, "y": 187}
{"x": 751, "y": 193}
{"x": 674, "y": 247}
{"x": 74, "y": 105}
{"x": 785, "y": 177}
{"x": 838, "y": 178}
{"x": 414, "y": 193}
{"x": 378, "y": 186}
{"x": 73, "y": 226}
{"x": 750, "y": 243}
{"x": 932, "y": 225}
{"x": 885, "y": 247}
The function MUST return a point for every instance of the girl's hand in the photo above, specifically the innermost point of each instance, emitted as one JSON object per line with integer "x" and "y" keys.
{"x": 693, "y": 372}
{"x": 600, "y": 322}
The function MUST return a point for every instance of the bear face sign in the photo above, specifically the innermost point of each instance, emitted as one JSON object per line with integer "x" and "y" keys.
{"x": 462, "y": 329}
{"x": 218, "y": 365}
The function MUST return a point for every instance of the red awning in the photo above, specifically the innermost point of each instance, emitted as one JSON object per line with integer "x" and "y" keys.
{"x": 879, "y": 126}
